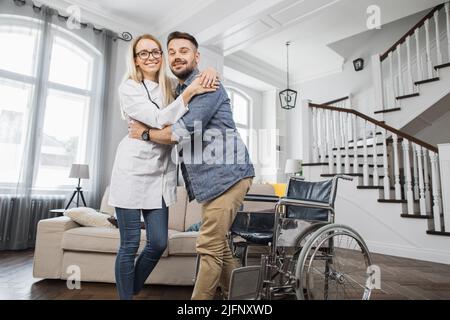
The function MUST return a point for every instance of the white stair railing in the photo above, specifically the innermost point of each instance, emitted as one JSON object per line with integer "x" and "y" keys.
{"x": 407, "y": 162}
{"x": 393, "y": 76}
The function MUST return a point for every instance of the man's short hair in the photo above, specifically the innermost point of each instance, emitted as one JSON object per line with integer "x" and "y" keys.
{"x": 182, "y": 35}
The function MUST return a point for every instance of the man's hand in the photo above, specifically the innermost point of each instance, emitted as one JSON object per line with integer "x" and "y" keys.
{"x": 135, "y": 129}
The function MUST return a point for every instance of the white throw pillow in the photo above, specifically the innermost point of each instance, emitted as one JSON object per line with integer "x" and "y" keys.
{"x": 88, "y": 217}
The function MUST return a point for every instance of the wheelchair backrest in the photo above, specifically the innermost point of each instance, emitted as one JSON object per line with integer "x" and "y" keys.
{"x": 299, "y": 189}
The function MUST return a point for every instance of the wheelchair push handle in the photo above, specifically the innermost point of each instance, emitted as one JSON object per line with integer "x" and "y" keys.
{"x": 344, "y": 177}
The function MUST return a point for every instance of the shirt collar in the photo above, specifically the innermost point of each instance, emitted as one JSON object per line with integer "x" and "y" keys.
{"x": 180, "y": 87}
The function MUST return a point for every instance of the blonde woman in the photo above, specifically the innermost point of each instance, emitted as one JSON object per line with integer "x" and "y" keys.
{"x": 144, "y": 177}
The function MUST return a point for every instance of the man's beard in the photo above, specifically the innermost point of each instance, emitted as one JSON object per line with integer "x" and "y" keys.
{"x": 184, "y": 74}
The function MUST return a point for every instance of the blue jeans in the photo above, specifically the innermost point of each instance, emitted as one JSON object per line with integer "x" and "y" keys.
{"x": 130, "y": 277}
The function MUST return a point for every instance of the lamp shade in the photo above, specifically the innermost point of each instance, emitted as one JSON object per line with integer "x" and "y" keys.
{"x": 293, "y": 166}
{"x": 79, "y": 171}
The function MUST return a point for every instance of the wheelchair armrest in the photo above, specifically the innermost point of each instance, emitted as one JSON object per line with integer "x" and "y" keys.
{"x": 261, "y": 198}
{"x": 305, "y": 203}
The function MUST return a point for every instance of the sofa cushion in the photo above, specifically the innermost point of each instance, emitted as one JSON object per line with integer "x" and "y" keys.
{"x": 193, "y": 214}
{"x": 182, "y": 243}
{"x": 177, "y": 212}
{"x": 93, "y": 239}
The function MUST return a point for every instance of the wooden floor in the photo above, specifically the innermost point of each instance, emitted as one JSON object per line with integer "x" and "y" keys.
{"x": 401, "y": 279}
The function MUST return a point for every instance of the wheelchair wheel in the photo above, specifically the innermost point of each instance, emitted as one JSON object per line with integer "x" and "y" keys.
{"x": 333, "y": 264}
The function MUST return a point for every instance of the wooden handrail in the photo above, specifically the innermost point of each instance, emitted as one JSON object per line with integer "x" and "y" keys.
{"x": 378, "y": 123}
{"x": 335, "y": 101}
{"x": 411, "y": 31}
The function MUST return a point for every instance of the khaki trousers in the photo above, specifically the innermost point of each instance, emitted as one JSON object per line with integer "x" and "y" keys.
{"x": 216, "y": 260}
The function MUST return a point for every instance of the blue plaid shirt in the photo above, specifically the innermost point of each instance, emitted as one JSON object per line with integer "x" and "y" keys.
{"x": 214, "y": 155}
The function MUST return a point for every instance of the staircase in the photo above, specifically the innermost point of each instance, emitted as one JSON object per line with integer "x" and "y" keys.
{"x": 414, "y": 73}
{"x": 395, "y": 200}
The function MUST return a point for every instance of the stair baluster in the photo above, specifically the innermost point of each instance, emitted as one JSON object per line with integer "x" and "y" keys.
{"x": 322, "y": 135}
{"x": 410, "y": 77}
{"x": 435, "y": 179}
{"x": 422, "y": 200}
{"x": 329, "y": 142}
{"x": 315, "y": 145}
{"x": 447, "y": 18}
{"x": 401, "y": 90}
{"x": 366, "y": 162}
{"x": 346, "y": 139}
{"x": 393, "y": 101}
{"x": 376, "y": 181}
{"x": 355, "y": 139}
{"x": 428, "y": 49}
{"x": 386, "y": 184}
{"x": 398, "y": 190}
{"x": 342, "y": 128}
{"x": 418, "y": 56}
{"x": 427, "y": 181}
{"x": 408, "y": 178}
{"x": 415, "y": 180}
{"x": 438, "y": 38}
{"x": 337, "y": 142}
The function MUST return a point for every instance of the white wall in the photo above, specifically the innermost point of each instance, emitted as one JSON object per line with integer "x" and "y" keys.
{"x": 267, "y": 138}
{"x": 358, "y": 84}
{"x": 438, "y": 132}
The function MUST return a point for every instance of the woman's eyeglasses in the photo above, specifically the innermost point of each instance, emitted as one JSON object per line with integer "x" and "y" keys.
{"x": 144, "y": 54}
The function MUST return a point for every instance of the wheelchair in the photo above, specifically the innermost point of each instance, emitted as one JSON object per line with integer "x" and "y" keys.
{"x": 309, "y": 256}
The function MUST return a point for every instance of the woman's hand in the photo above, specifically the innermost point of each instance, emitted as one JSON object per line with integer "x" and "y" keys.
{"x": 208, "y": 77}
{"x": 196, "y": 86}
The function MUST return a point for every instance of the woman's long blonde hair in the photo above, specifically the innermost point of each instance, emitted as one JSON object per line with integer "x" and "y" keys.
{"x": 135, "y": 73}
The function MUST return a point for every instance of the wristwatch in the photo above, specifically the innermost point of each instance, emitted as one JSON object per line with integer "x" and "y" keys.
{"x": 146, "y": 135}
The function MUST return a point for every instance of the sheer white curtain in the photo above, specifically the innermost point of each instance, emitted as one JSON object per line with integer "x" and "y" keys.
{"x": 53, "y": 81}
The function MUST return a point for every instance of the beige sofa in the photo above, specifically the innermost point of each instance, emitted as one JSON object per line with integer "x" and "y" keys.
{"x": 62, "y": 243}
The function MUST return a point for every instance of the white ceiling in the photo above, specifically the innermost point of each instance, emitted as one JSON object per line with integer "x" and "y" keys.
{"x": 252, "y": 33}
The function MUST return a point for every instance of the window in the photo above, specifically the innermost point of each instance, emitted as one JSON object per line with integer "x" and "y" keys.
{"x": 240, "y": 105}
{"x": 45, "y": 104}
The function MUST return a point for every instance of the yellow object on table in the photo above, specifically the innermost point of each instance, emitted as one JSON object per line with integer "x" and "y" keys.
{"x": 280, "y": 189}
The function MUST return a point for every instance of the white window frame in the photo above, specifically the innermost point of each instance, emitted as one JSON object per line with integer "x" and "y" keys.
{"x": 44, "y": 47}
{"x": 235, "y": 91}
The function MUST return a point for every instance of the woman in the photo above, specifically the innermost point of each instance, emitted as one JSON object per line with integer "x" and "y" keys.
{"x": 144, "y": 177}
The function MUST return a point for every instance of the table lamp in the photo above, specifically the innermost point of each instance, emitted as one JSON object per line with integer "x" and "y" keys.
{"x": 78, "y": 171}
{"x": 293, "y": 166}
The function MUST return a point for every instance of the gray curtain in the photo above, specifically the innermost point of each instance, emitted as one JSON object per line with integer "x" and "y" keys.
{"x": 21, "y": 205}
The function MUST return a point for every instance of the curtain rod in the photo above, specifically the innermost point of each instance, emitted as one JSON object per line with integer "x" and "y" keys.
{"x": 125, "y": 36}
